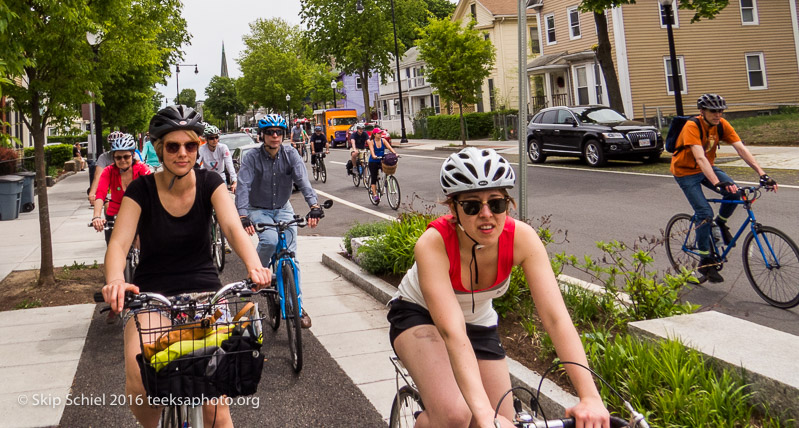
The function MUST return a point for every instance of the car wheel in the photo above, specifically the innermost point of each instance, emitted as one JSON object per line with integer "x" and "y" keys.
{"x": 534, "y": 151}
{"x": 593, "y": 154}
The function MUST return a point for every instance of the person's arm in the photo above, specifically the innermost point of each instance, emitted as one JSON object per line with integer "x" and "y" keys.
{"x": 313, "y": 151}
{"x": 707, "y": 169}
{"x": 746, "y": 155}
{"x": 116, "y": 254}
{"x": 98, "y": 171}
{"x": 371, "y": 145}
{"x": 235, "y": 234}
{"x": 228, "y": 160}
{"x": 100, "y": 186}
{"x": 433, "y": 267}
{"x": 532, "y": 255}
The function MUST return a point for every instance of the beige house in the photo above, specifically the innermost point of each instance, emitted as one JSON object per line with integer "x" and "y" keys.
{"x": 749, "y": 54}
{"x": 498, "y": 20}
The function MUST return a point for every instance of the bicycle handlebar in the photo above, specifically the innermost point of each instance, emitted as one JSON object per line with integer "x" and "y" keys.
{"x": 137, "y": 301}
{"x": 109, "y": 224}
{"x": 299, "y": 221}
{"x": 615, "y": 422}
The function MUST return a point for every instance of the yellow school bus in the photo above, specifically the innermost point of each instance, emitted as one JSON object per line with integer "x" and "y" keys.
{"x": 335, "y": 122}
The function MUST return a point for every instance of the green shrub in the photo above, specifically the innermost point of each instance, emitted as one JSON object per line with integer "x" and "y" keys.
{"x": 364, "y": 229}
{"x": 392, "y": 251}
{"x": 54, "y": 156}
{"x": 447, "y": 127}
{"x": 68, "y": 139}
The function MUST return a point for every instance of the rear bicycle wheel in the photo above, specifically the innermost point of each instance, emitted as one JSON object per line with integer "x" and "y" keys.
{"x": 406, "y": 406}
{"x": 322, "y": 170}
{"x": 393, "y": 193}
{"x": 356, "y": 175}
{"x": 293, "y": 327}
{"x": 775, "y": 278}
{"x": 681, "y": 231}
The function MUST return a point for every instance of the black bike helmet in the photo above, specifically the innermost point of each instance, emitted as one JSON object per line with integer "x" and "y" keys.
{"x": 711, "y": 102}
{"x": 173, "y": 118}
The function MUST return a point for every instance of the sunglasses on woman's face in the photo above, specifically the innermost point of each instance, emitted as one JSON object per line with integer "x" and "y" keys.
{"x": 173, "y": 148}
{"x": 125, "y": 157}
{"x": 473, "y": 207}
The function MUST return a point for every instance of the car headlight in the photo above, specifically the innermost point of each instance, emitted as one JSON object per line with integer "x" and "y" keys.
{"x": 613, "y": 135}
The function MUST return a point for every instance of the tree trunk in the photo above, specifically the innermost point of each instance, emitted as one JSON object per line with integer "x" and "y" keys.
{"x": 364, "y": 73}
{"x": 463, "y": 123}
{"x": 605, "y": 59}
{"x": 46, "y": 274}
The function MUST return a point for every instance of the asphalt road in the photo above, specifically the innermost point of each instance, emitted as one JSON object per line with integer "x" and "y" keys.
{"x": 582, "y": 207}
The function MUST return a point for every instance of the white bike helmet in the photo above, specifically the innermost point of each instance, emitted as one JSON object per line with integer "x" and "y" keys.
{"x": 114, "y": 135}
{"x": 126, "y": 142}
{"x": 476, "y": 169}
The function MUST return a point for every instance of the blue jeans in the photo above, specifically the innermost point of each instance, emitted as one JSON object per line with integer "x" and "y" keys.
{"x": 267, "y": 240}
{"x": 691, "y": 185}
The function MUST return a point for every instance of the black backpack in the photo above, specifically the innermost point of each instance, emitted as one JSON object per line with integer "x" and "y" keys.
{"x": 677, "y": 123}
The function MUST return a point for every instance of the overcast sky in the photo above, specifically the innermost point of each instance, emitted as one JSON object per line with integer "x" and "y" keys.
{"x": 211, "y": 22}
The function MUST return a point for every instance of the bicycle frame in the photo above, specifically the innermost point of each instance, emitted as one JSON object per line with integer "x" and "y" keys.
{"x": 282, "y": 253}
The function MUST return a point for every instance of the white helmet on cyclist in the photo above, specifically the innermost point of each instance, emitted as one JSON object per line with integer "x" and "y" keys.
{"x": 125, "y": 142}
{"x": 474, "y": 169}
{"x": 114, "y": 135}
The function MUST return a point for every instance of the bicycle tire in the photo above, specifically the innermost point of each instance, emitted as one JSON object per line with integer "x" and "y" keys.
{"x": 371, "y": 195}
{"x": 322, "y": 171}
{"x": 218, "y": 258}
{"x": 221, "y": 250}
{"x": 315, "y": 169}
{"x": 356, "y": 175}
{"x": 130, "y": 269}
{"x": 679, "y": 232}
{"x": 273, "y": 310}
{"x": 293, "y": 326}
{"x": 170, "y": 417}
{"x": 777, "y": 285}
{"x": 180, "y": 416}
{"x": 365, "y": 177}
{"x": 407, "y": 403}
{"x": 304, "y": 154}
{"x": 393, "y": 193}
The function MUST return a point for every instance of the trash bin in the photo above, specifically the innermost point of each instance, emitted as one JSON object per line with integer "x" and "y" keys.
{"x": 26, "y": 203}
{"x": 10, "y": 196}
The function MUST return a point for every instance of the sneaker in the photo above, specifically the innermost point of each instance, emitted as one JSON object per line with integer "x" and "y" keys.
{"x": 707, "y": 268}
{"x": 305, "y": 320}
{"x": 726, "y": 236}
{"x": 376, "y": 198}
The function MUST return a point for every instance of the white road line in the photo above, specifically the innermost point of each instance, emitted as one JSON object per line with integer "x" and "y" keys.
{"x": 337, "y": 163}
{"x": 356, "y": 206}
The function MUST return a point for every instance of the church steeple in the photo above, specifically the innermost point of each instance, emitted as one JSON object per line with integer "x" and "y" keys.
{"x": 224, "y": 62}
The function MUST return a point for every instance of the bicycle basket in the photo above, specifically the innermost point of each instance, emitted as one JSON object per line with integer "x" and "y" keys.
{"x": 209, "y": 357}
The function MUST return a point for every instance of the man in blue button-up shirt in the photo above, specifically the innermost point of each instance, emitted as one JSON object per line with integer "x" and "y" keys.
{"x": 265, "y": 182}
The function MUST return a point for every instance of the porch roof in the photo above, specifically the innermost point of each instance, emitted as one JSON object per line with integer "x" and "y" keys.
{"x": 558, "y": 61}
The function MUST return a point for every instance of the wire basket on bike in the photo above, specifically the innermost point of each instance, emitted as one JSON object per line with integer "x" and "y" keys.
{"x": 199, "y": 350}
{"x": 389, "y": 163}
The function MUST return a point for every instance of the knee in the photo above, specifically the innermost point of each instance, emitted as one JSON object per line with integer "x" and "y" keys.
{"x": 454, "y": 417}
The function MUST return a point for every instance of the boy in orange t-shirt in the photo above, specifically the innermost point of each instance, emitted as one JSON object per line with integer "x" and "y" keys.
{"x": 692, "y": 167}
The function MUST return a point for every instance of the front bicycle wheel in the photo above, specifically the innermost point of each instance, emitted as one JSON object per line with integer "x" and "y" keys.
{"x": 304, "y": 153}
{"x": 365, "y": 177}
{"x": 374, "y": 197}
{"x": 293, "y": 327}
{"x": 217, "y": 245}
{"x": 322, "y": 170}
{"x": 771, "y": 262}
{"x": 393, "y": 192}
{"x": 406, "y": 407}
{"x": 273, "y": 310}
{"x": 681, "y": 241}
{"x": 315, "y": 169}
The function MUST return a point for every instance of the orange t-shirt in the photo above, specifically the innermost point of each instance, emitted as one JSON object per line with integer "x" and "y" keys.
{"x": 683, "y": 162}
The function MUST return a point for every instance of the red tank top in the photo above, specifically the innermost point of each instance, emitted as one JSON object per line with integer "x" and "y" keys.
{"x": 446, "y": 228}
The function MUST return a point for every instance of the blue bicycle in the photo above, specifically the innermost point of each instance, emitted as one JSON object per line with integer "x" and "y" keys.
{"x": 284, "y": 300}
{"x": 770, "y": 257}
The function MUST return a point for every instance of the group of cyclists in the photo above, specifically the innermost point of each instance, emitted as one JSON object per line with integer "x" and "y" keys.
{"x": 442, "y": 323}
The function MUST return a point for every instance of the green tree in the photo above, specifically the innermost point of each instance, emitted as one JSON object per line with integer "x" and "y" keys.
{"x": 440, "y": 8}
{"x": 703, "y": 9}
{"x": 458, "y": 59}
{"x": 222, "y": 98}
{"x": 188, "y": 97}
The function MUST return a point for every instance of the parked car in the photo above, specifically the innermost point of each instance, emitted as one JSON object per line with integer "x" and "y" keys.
{"x": 239, "y": 152}
{"x": 368, "y": 127}
{"x": 594, "y": 133}
{"x": 232, "y": 141}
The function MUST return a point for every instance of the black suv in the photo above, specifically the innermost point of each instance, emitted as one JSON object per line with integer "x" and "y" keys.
{"x": 594, "y": 133}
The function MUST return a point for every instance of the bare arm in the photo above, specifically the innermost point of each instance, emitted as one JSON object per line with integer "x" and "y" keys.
{"x": 707, "y": 169}
{"x": 532, "y": 255}
{"x": 746, "y": 155}
{"x": 116, "y": 254}
{"x": 433, "y": 265}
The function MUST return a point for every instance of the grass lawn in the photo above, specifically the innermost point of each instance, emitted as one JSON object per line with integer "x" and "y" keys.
{"x": 775, "y": 130}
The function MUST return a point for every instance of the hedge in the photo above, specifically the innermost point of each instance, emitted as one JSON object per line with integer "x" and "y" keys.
{"x": 448, "y": 127}
{"x": 68, "y": 139}
{"x": 54, "y": 155}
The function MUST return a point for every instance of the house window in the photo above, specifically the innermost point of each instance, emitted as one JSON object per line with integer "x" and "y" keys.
{"x": 485, "y": 36}
{"x": 680, "y": 75}
{"x": 675, "y": 16}
{"x": 756, "y": 69}
{"x": 549, "y": 21}
{"x": 582, "y": 86}
{"x": 385, "y": 108}
{"x": 437, "y": 104}
{"x": 491, "y": 99}
{"x": 749, "y": 12}
{"x": 574, "y": 23}
{"x": 422, "y": 105}
{"x": 535, "y": 44}
{"x": 473, "y": 9}
{"x": 358, "y": 83}
{"x": 480, "y": 108}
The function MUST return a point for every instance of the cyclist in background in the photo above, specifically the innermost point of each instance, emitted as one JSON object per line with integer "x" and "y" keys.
{"x": 298, "y": 135}
{"x": 377, "y": 148}
{"x": 171, "y": 210}
{"x": 115, "y": 179}
{"x": 215, "y": 156}
{"x": 442, "y": 323}
{"x": 266, "y": 176}
{"x": 319, "y": 144}
{"x": 693, "y": 167}
{"x": 103, "y": 160}
{"x": 357, "y": 143}
{"x": 150, "y": 156}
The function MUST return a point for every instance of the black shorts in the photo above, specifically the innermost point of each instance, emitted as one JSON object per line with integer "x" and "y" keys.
{"x": 403, "y": 315}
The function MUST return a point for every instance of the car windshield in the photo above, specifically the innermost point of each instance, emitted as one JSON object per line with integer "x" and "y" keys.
{"x": 233, "y": 141}
{"x": 599, "y": 115}
{"x": 337, "y": 121}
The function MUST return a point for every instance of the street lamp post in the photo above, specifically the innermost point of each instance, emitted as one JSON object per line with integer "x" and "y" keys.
{"x": 94, "y": 40}
{"x": 333, "y": 88}
{"x": 227, "y": 116}
{"x": 675, "y": 81}
{"x": 359, "y": 8}
{"x": 288, "y": 107}
{"x": 177, "y": 79}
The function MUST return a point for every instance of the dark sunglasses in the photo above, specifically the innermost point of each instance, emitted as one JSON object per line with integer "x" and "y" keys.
{"x": 125, "y": 157}
{"x": 209, "y": 138}
{"x": 190, "y": 147}
{"x": 473, "y": 207}
{"x": 273, "y": 131}
{"x": 715, "y": 111}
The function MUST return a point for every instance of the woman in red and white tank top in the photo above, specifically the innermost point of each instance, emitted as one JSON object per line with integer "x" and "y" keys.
{"x": 443, "y": 325}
